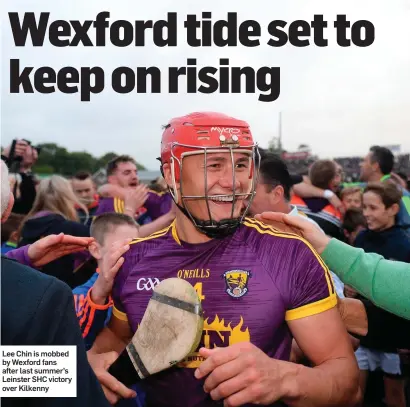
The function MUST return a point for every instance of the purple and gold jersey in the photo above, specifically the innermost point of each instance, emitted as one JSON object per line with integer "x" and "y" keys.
{"x": 156, "y": 205}
{"x": 249, "y": 284}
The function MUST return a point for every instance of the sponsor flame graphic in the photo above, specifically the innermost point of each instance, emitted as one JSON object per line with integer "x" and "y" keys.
{"x": 217, "y": 333}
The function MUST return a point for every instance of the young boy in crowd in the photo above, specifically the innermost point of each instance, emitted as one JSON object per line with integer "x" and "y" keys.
{"x": 353, "y": 223}
{"x": 381, "y": 204}
{"x": 93, "y": 302}
{"x": 9, "y": 232}
{"x": 112, "y": 233}
{"x": 352, "y": 197}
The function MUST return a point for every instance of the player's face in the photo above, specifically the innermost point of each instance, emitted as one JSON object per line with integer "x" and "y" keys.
{"x": 353, "y": 201}
{"x": 119, "y": 233}
{"x": 126, "y": 175}
{"x": 219, "y": 173}
{"x": 84, "y": 190}
{"x": 378, "y": 217}
{"x": 366, "y": 168}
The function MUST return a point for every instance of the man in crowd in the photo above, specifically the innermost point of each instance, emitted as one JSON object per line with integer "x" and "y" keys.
{"x": 84, "y": 188}
{"x": 125, "y": 194}
{"x": 20, "y": 160}
{"x": 325, "y": 174}
{"x": 273, "y": 193}
{"x": 258, "y": 287}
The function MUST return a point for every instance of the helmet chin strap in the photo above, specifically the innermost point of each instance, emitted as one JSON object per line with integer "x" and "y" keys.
{"x": 213, "y": 230}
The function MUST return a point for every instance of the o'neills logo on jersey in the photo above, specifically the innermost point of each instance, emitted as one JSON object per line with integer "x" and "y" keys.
{"x": 217, "y": 333}
{"x": 226, "y": 130}
{"x": 236, "y": 282}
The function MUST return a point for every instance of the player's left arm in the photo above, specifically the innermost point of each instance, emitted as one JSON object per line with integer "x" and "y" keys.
{"x": 333, "y": 381}
{"x": 320, "y": 333}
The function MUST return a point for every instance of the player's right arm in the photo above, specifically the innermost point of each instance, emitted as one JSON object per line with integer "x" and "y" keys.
{"x": 114, "y": 337}
{"x": 107, "y": 347}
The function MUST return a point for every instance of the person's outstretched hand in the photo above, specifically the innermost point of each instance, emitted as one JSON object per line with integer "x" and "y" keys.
{"x": 53, "y": 247}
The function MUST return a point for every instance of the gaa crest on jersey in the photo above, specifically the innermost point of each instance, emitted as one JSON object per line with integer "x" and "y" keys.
{"x": 236, "y": 282}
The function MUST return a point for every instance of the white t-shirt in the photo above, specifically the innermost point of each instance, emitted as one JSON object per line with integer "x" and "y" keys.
{"x": 339, "y": 286}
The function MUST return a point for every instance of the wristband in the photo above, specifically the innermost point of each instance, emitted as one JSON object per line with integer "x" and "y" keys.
{"x": 328, "y": 194}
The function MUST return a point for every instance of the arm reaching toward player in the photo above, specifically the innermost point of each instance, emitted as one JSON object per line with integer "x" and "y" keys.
{"x": 383, "y": 282}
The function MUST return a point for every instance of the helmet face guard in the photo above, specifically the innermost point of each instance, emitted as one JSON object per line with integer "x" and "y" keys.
{"x": 211, "y": 227}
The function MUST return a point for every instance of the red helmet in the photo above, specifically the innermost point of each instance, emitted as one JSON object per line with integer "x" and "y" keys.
{"x": 201, "y": 133}
{"x": 197, "y": 131}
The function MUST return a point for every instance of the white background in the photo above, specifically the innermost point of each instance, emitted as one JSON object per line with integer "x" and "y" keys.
{"x": 337, "y": 100}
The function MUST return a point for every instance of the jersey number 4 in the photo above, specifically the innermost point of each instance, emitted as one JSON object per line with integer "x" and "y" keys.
{"x": 198, "y": 289}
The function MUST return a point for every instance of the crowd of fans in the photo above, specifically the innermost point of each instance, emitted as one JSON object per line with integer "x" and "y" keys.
{"x": 351, "y": 166}
{"x": 372, "y": 214}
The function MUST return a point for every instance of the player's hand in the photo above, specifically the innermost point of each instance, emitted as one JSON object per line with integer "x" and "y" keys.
{"x": 309, "y": 231}
{"x": 241, "y": 374}
{"x": 113, "y": 389}
{"x": 135, "y": 198}
{"x": 53, "y": 247}
{"x": 110, "y": 263}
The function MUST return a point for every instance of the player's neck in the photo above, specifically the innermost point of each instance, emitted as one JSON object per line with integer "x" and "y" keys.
{"x": 282, "y": 207}
{"x": 375, "y": 177}
{"x": 187, "y": 232}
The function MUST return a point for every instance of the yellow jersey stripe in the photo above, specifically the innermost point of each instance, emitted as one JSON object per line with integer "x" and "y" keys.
{"x": 174, "y": 232}
{"x": 117, "y": 205}
{"x": 157, "y": 193}
{"x": 311, "y": 309}
{"x": 119, "y": 314}
{"x": 152, "y": 236}
{"x": 273, "y": 232}
{"x": 266, "y": 226}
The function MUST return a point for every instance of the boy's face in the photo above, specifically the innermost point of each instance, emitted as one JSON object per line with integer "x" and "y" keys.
{"x": 353, "y": 201}
{"x": 118, "y": 233}
{"x": 378, "y": 217}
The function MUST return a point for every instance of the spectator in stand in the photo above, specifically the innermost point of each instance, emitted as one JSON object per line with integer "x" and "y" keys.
{"x": 54, "y": 212}
{"x": 352, "y": 197}
{"x": 23, "y": 182}
{"x": 84, "y": 187}
{"x": 326, "y": 175}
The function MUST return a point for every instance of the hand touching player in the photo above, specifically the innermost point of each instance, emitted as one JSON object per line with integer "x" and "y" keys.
{"x": 241, "y": 374}
{"x": 109, "y": 265}
{"x": 309, "y": 231}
